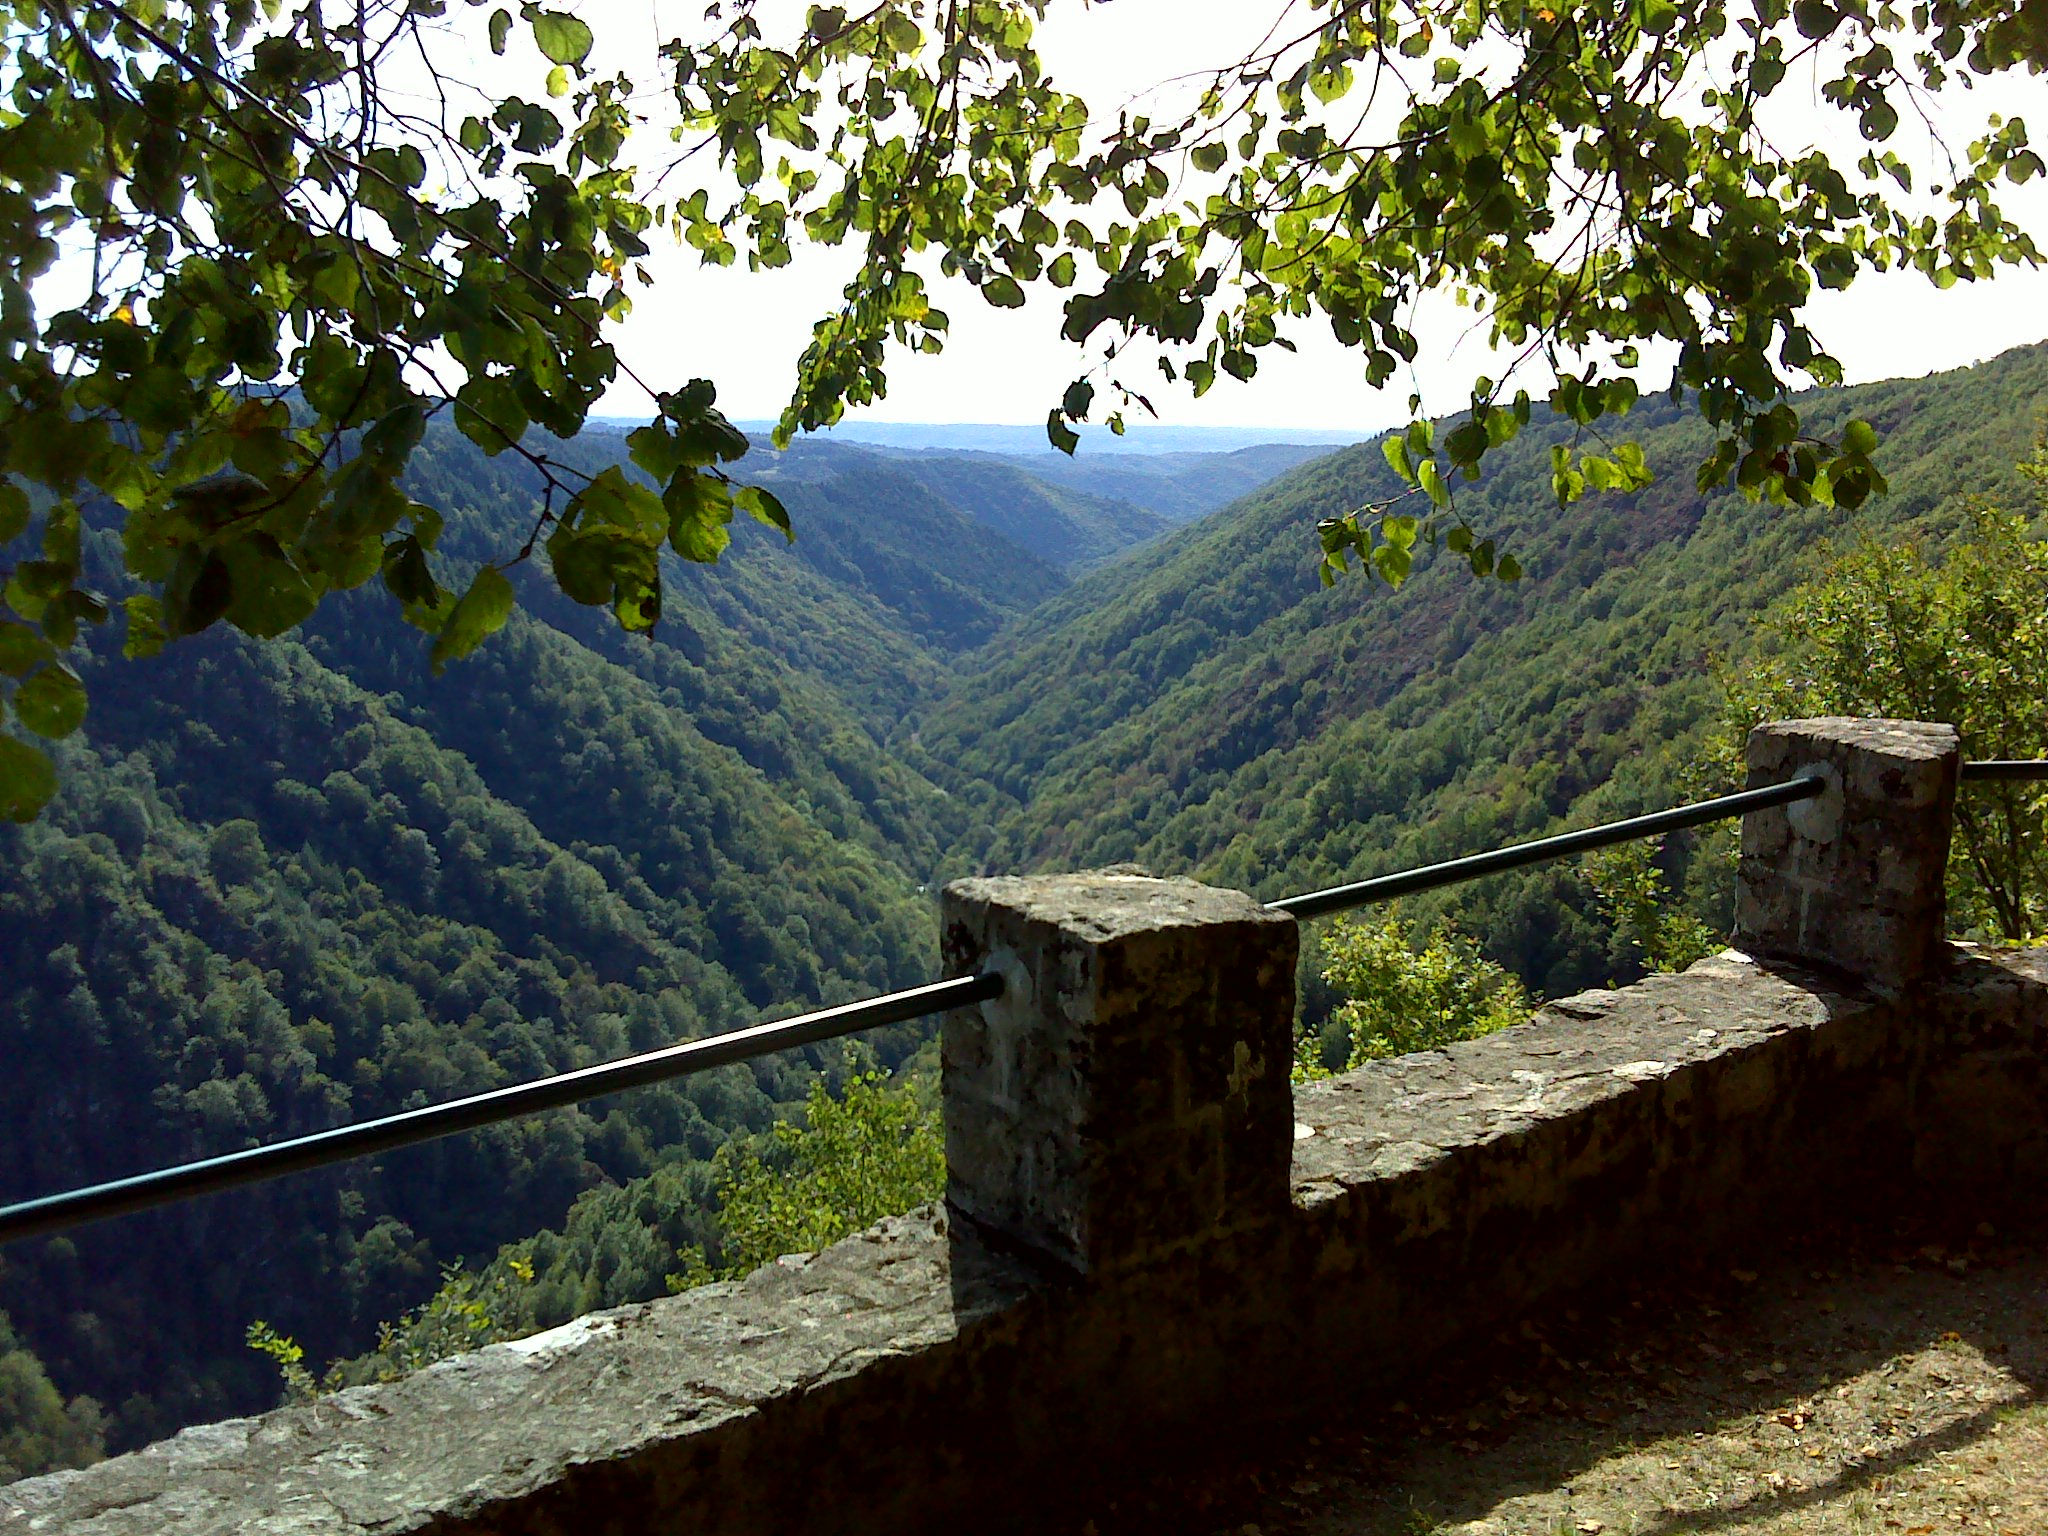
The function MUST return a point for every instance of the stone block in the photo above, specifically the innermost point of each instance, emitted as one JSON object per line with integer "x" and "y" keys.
{"x": 1852, "y": 880}
{"x": 1128, "y": 1093}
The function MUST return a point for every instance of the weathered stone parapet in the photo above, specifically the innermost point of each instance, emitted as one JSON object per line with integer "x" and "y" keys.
{"x": 772, "y": 1404}
{"x": 1127, "y": 1095}
{"x": 1851, "y": 880}
{"x": 915, "y": 1378}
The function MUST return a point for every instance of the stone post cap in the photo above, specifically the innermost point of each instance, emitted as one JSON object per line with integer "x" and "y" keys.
{"x": 1902, "y": 742}
{"x": 1109, "y": 904}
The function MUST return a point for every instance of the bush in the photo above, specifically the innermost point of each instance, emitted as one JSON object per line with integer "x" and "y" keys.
{"x": 1406, "y": 995}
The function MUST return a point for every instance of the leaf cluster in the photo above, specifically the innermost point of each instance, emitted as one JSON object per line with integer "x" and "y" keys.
{"x": 1407, "y": 990}
{"x": 1904, "y": 629}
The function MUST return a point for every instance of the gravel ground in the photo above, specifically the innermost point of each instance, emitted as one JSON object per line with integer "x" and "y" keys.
{"x": 1847, "y": 1387}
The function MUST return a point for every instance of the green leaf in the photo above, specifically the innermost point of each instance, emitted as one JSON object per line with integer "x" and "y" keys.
{"x": 481, "y": 613}
{"x": 501, "y": 28}
{"x": 625, "y": 504}
{"x": 22, "y": 650}
{"x": 563, "y": 38}
{"x": 27, "y": 780}
{"x": 267, "y": 593}
{"x": 1659, "y": 17}
{"x": 197, "y": 593}
{"x": 1879, "y": 120}
{"x": 1815, "y": 18}
{"x": 1467, "y": 443}
{"x": 655, "y": 449}
{"x": 146, "y": 635}
{"x": 408, "y": 575}
{"x": 765, "y": 507}
{"x": 699, "y": 507}
{"x": 1003, "y": 292}
{"x": 1431, "y": 479}
{"x": 1859, "y": 436}
{"x": 582, "y": 562}
{"x": 1209, "y": 157}
{"x": 52, "y": 703}
{"x": 1059, "y": 434}
{"x": 13, "y": 511}
{"x": 1395, "y": 448}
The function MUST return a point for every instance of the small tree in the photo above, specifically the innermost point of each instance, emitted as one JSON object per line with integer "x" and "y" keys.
{"x": 1406, "y": 995}
{"x": 471, "y": 1309}
{"x": 1888, "y": 629}
{"x": 39, "y": 1431}
{"x": 875, "y": 1151}
{"x": 1632, "y": 894}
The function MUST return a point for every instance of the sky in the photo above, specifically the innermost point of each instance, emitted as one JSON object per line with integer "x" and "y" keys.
{"x": 1011, "y": 366}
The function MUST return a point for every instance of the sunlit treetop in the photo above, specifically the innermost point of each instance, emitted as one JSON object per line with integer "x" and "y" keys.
{"x": 251, "y": 249}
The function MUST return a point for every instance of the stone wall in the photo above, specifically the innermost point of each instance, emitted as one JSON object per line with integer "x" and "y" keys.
{"x": 1154, "y": 1247}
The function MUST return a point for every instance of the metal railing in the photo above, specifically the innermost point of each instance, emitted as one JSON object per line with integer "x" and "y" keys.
{"x": 1387, "y": 887}
{"x": 36, "y": 1218}
{"x": 120, "y": 1197}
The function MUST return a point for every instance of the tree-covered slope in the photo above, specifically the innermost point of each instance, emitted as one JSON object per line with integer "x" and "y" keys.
{"x": 1179, "y": 486}
{"x": 300, "y": 883}
{"x": 289, "y": 910}
{"x": 1206, "y": 705}
{"x": 306, "y": 882}
{"x": 1057, "y": 525}
{"x": 890, "y": 537}
{"x": 1067, "y": 527}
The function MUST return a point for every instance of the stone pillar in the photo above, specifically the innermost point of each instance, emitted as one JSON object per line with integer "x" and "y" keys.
{"x": 1851, "y": 880}
{"x": 1128, "y": 1095}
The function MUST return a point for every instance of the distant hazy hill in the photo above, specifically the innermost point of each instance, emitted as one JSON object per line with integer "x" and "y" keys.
{"x": 1179, "y": 486}
{"x": 1142, "y": 439}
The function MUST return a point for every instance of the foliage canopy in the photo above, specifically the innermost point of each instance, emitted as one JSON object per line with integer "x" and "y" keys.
{"x": 874, "y": 1151}
{"x": 1406, "y": 990}
{"x": 1889, "y": 629}
{"x": 244, "y": 265}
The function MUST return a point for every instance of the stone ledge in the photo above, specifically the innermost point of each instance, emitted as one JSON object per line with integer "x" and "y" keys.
{"x": 1398, "y": 1117}
{"x": 468, "y": 1443}
{"x": 915, "y": 1376}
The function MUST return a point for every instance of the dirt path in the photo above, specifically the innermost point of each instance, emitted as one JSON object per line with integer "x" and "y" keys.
{"x": 1896, "y": 1388}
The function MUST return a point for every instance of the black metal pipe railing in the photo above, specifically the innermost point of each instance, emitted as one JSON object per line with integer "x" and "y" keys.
{"x": 36, "y": 1218}
{"x": 1387, "y": 887}
{"x": 51, "y": 1213}
{"x": 2004, "y": 770}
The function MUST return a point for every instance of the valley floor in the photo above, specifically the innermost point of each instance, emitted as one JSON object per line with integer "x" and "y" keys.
{"x": 1850, "y": 1389}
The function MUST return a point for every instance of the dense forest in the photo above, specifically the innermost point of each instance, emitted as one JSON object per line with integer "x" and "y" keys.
{"x": 294, "y": 884}
{"x": 300, "y": 883}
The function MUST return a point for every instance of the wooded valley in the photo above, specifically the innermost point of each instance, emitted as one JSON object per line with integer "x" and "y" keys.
{"x": 305, "y": 882}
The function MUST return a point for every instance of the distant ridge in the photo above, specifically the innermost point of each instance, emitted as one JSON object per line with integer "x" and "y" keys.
{"x": 998, "y": 438}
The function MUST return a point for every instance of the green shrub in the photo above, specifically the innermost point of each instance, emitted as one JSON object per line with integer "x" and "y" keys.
{"x": 1407, "y": 994}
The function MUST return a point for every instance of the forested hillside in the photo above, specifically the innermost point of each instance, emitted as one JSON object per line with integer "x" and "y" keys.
{"x": 1206, "y": 706}
{"x": 301, "y": 883}
{"x": 305, "y": 882}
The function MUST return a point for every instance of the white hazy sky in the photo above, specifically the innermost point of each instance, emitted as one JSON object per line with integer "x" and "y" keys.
{"x": 746, "y": 330}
